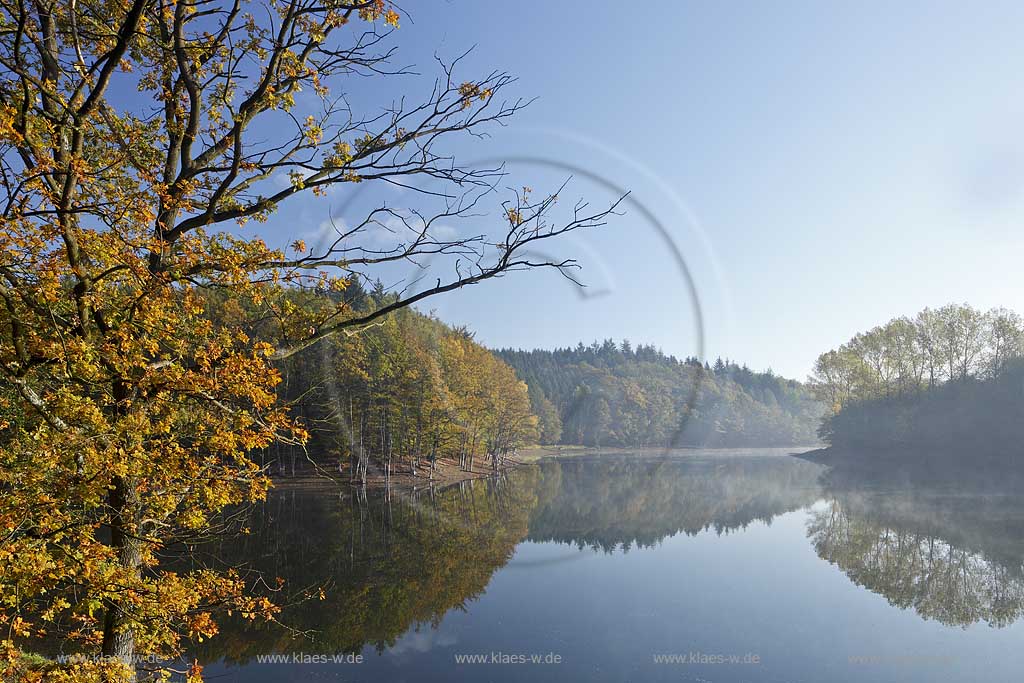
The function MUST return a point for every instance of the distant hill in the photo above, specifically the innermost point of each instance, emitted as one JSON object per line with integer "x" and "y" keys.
{"x": 612, "y": 394}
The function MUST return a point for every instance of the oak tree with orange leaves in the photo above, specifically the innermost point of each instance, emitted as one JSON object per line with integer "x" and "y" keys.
{"x": 136, "y": 138}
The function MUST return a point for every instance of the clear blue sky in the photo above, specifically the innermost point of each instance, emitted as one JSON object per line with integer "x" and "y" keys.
{"x": 821, "y": 168}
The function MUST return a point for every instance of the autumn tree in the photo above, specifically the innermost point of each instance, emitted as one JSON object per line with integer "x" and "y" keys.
{"x": 136, "y": 138}
{"x": 549, "y": 424}
{"x": 835, "y": 376}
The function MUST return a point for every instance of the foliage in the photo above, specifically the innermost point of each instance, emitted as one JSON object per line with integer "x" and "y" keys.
{"x": 950, "y": 379}
{"x": 409, "y": 390}
{"x": 612, "y": 395}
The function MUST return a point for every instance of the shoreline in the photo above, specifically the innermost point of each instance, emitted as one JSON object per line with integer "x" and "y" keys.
{"x": 910, "y": 465}
{"x": 535, "y": 453}
{"x": 448, "y": 471}
{"x": 445, "y": 474}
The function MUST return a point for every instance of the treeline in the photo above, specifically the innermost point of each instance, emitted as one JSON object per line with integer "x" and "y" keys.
{"x": 405, "y": 392}
{"x": 949, "y": 379}
{"x": 612, "y": 394}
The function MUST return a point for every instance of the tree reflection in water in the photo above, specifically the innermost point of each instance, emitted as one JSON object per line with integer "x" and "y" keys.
{"x": 384, "y": 562}
{"x": 388, "y": 562}
{"x": 953, "y": 550}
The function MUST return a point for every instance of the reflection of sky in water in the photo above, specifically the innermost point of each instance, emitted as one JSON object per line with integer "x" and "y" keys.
{"x": 760, "y": 589}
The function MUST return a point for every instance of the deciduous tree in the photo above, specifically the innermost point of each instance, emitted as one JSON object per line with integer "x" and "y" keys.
{"x": 137, "y": 137}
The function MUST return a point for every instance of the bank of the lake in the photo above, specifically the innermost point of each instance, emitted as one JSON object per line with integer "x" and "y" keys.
{"x": 445, "y": 472}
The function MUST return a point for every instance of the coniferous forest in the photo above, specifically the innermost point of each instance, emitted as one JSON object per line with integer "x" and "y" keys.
{"x": 609, "y": 394}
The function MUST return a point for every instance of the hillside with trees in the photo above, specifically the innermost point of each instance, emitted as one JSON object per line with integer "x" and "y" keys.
{"x": 948, "y": 381}
{"x": 403, "y": 394}
{"x": 609, "y": 394}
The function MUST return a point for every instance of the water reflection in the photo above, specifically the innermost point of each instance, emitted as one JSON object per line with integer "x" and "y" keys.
{"x": 361, "y": 570}
{"x": 381, "y": 570}
{"x": 950, "y": 548}
{"x": 611, "y": 503}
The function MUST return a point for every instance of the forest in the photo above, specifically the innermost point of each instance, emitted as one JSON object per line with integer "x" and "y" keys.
{"x": 405, "y": 393}
{"x": 949, "y": 381}
{"x": 412, "y": 391}
{"x": 615, "y": 394}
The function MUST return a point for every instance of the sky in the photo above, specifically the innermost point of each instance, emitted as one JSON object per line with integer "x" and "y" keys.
{"x": 798, "y": 172}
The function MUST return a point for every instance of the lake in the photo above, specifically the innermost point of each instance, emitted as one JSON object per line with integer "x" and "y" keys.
{"x": 703, "y": 566}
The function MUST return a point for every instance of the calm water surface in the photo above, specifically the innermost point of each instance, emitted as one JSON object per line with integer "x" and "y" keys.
{"x": 746, "y": 566}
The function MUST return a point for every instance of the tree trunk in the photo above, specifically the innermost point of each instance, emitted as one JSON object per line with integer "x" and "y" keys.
{"x": 118, "y": 639}
{"x": 362, "y": 453}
